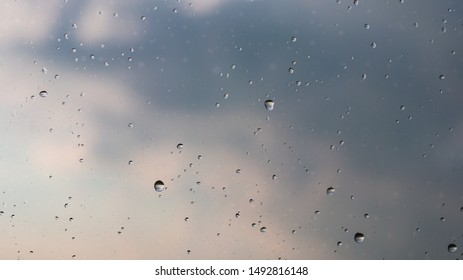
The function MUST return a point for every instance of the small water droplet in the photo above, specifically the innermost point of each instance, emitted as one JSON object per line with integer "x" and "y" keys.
{"x": 441, "y": 77}
{"x": 43, "y": 93}
{"x": 339, "y": 244}
{"x": 366, "y": 25}
{"x": 269, "y": 104}
{"x": 359, "y": 237}
{"x": 366, "y": 216}
{"x": 130, "y": 162}
{"x": 293, "y": 39}
{"x": 290, "y": 70}
{"x": 130, "y": 125}
{"x": 263, "y": 229}
{"x": 373, "y": 45}
{"x": 237, "y": 215}
{"x": 179, "y": 146}
{"x": 159, "y": 186}
{"x": 174, "y": 11}
{"x": 238, "y": 171}
{"x": 143, "y": 18}
{"x": 356, "y": 2}
{"x": 402, "y": 108}
{"x": 364, "y": 76}
{"x": 452, "y": 247}
{"x": 274, "y": 177}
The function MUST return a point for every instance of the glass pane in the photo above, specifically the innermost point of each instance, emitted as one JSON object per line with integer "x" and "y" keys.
{"x": 210, "y": 129}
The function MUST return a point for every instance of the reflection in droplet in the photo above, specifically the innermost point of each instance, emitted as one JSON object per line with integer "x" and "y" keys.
{"x": 452, "y": 248}
{"x": 359, "y": 237}
{"x": 43, "y": 93}
{"x": 159, "y": 186}
{"x": 269, "y": 104}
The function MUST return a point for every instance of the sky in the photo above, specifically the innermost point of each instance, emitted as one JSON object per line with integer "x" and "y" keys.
{"x": 101, "y": 99}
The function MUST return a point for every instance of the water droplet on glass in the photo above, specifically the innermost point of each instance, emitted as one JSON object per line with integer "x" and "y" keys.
{"x": 274, "y": 177}
{"x": 269, "y": 104}
{"x": 441, "y": 77}
{"x": 143, "y": 18}
{"x": 43, "y": 93}
{"x": 130, "y": 125}
{"x": 330, "y": 190}
{"x": 238, "y": 171}
{"x": 293, "y": 39}
{"x": 366, "y": 25}
{"x": 359, "y": 237}
{"x": 179, "y": 146}
{"x": 159, "y": 186}
{"x": 373, "y": 45}
{"x": 364, "y": 76}
{"x": 402, "y": 108}
{"x": 130, "y": 162}
{"x": 263, "y": 229}
{"x": 452, "y": 248}
{"x": 339, "y": 244}
{"x": 356, "y": 2}
{"x": 290, "y": 70}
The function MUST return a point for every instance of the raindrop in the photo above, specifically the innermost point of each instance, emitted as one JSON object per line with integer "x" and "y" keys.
{"x": 330, "y": 190}
{"x": 263, "y": 229}
{"x": 452, "y": 248}
{"x": 130, "y": 125}
{"x": 290, "y": 70}
{"x": 238, "y": 171}
{"x": 293, "y": 39}
{"x": 373, "y": 45}
{"x": 130, "y": 162}
{"x": 179, "y": 146}
{"x": 339, "y": 244}
{"x": 441, "y": 77}
{"x": 143, "y": 18}
{"x": 364, "y": 76}
{"x": 159, "y": 186}
{"x": 356, "y": 2}
{"x": 402, "y": 107}
{"x": 269, "y": 104}
{"x": 274, "y": 177}
{"x": 43, "y": 93}
{"x": 359, "y": 237}
{"x": 366, "y": 25}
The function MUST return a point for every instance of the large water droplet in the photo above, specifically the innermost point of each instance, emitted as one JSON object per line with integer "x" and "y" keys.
{"x": 43, "y": 93}
{"x": 269, "y": 104}
{"x": 159, "y": 186}
{"x": 452, "y": 248}
{"x": 330, "y": 190}
{"x": 359, "y": 237}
